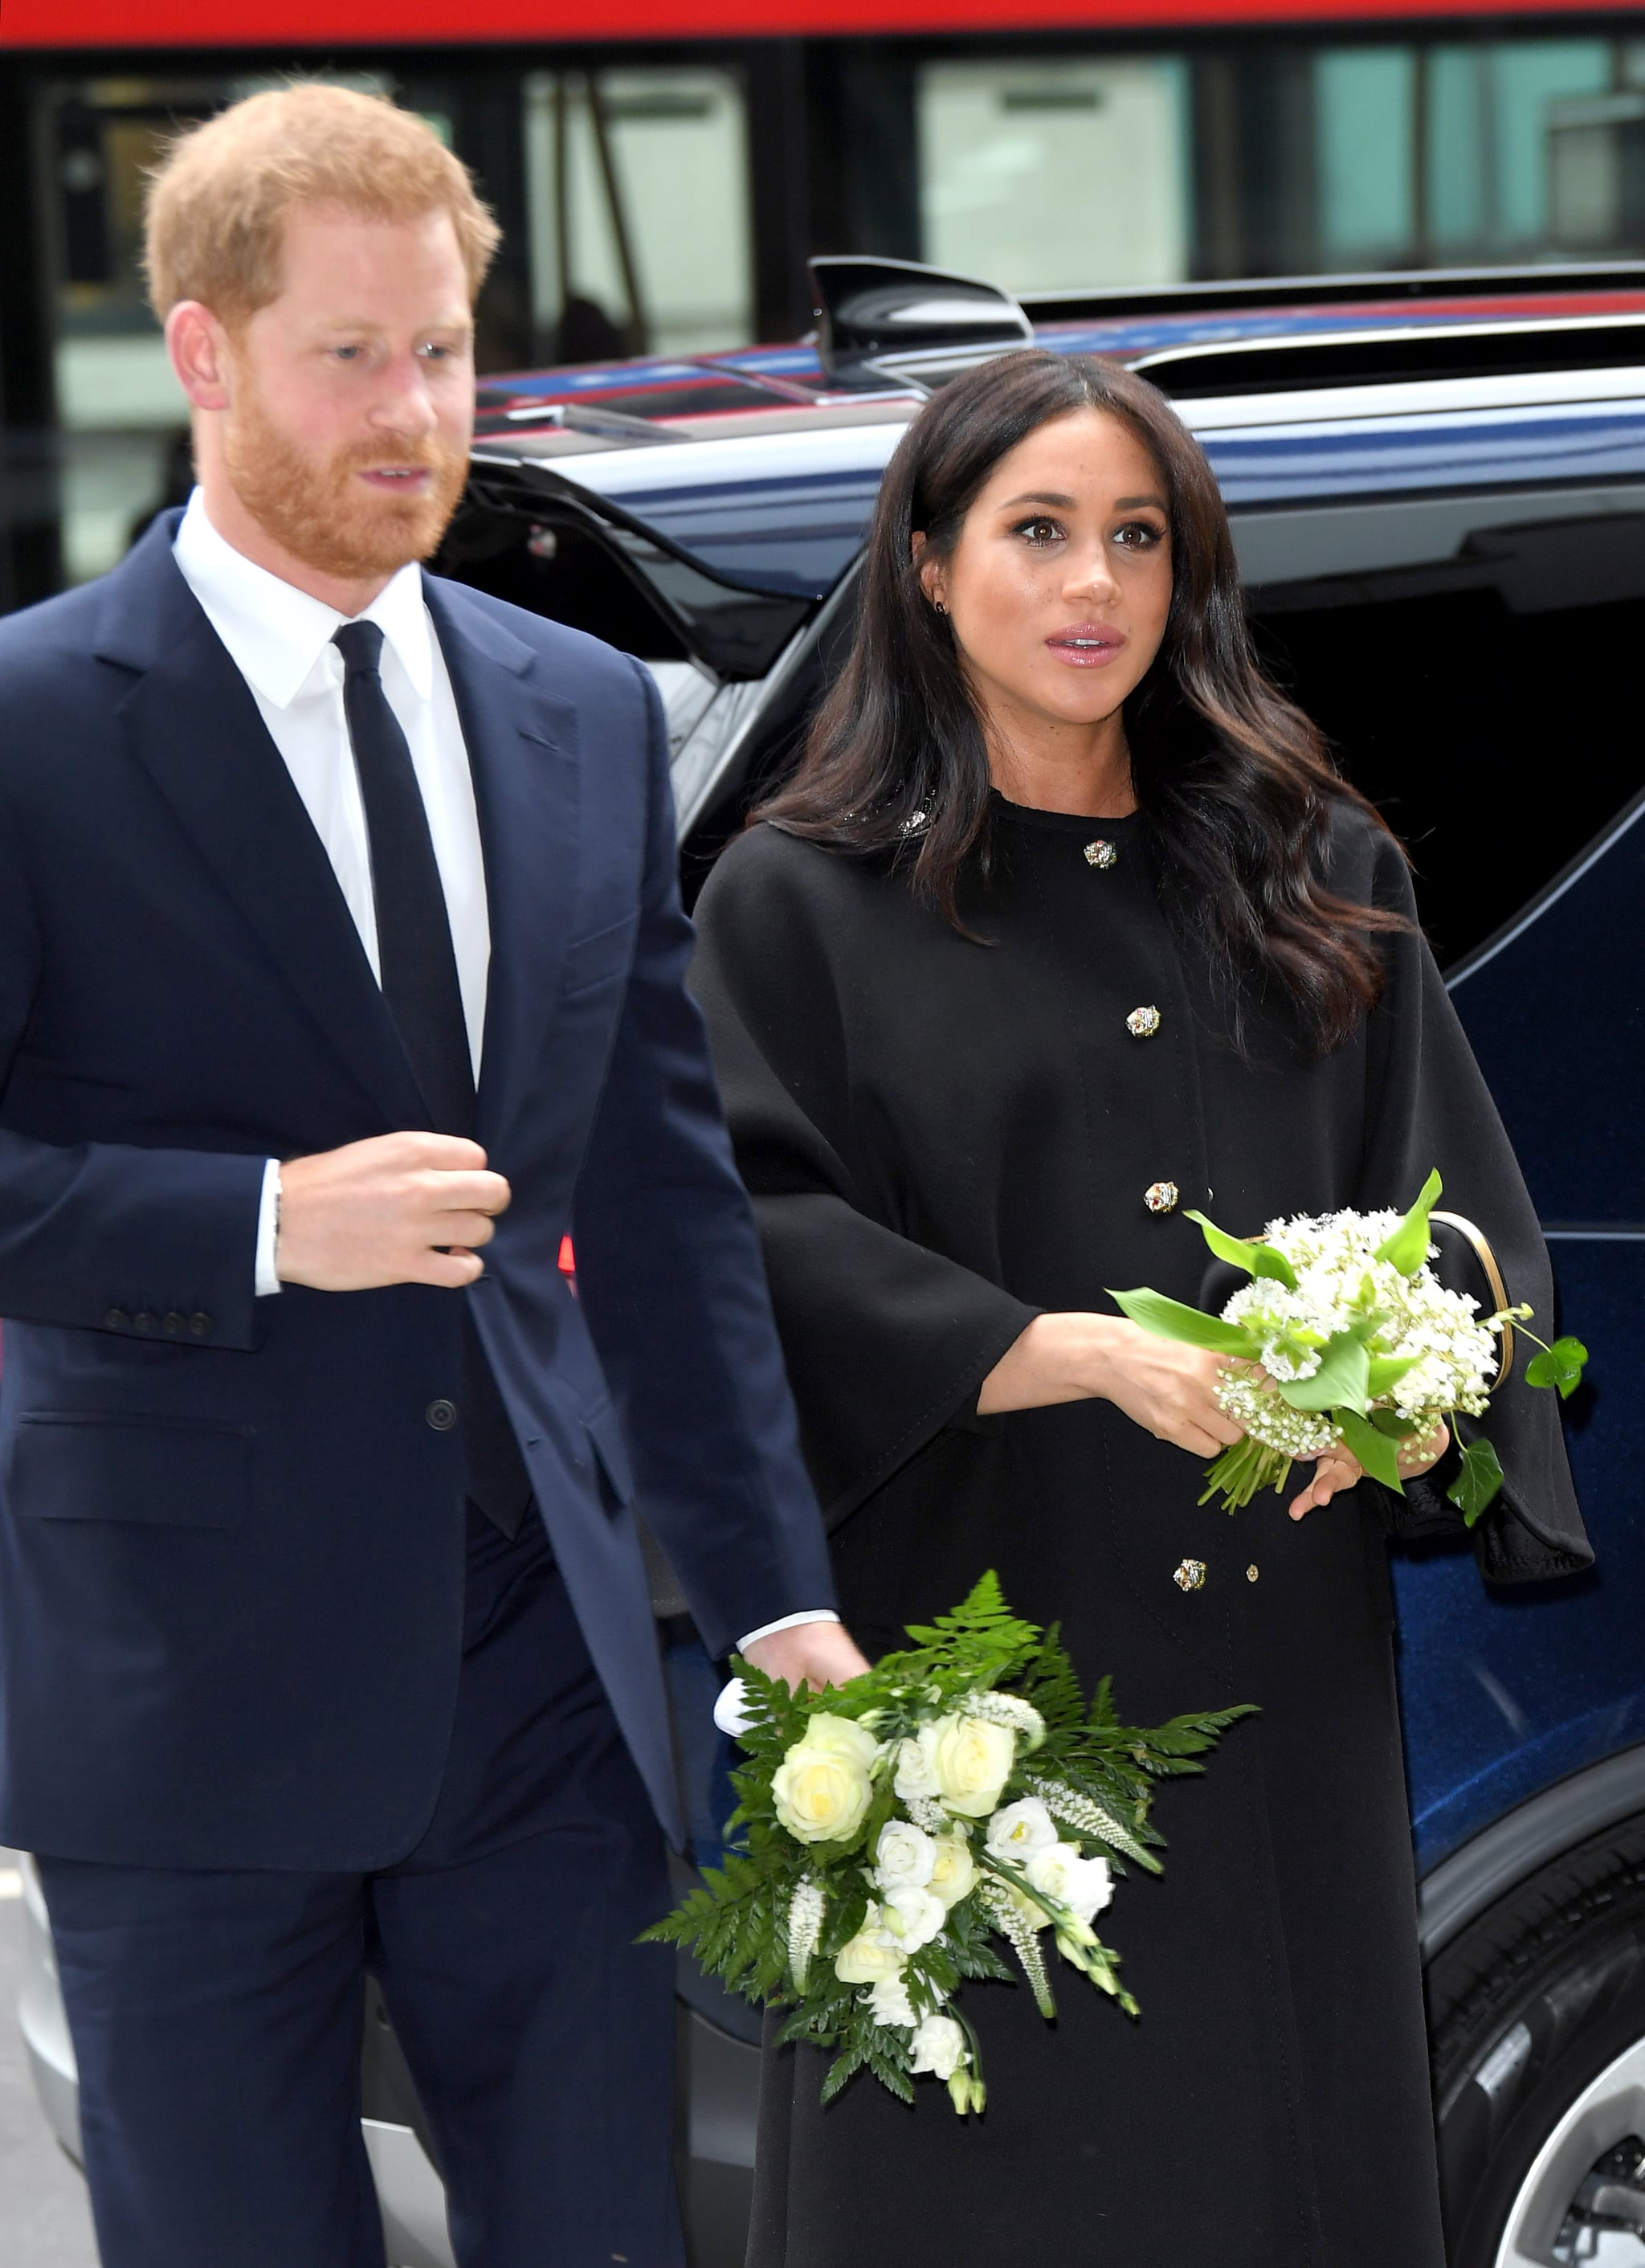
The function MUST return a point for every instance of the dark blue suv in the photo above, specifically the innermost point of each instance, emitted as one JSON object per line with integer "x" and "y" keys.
{"x": 1437, "y": 486}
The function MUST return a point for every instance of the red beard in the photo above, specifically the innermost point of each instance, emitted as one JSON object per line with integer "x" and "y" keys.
{"x": 316, "y": 508}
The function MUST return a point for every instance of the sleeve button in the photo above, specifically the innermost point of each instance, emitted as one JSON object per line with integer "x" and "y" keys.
{"x": 200, "y": 1325}
{"x": 175, "y": 1325}
{"x": 143, "y": 1320}
{"x": 442, "y": 1415}
{"x": 117, "y": 1320}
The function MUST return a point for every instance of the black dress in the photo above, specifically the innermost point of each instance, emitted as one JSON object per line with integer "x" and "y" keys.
{"x": 942, "y": 1139}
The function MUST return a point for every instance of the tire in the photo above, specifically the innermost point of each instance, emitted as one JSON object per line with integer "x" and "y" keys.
{"x": 1537, "y": 2019}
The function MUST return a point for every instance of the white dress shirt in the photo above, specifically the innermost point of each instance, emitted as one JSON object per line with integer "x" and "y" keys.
{"x": 280, "y": 640}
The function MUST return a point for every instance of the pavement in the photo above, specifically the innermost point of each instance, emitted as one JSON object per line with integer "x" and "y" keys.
{"x": 44, "y": 2219}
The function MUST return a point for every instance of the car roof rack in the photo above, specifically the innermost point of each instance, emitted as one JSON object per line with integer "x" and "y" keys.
{"x": 883, "y": 322}
{"x": 880, "y": 321}
{"x": 1376, "y": 286}
{"x": 1512, "y": 347}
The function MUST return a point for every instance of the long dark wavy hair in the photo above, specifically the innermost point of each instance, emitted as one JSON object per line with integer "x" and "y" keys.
{"x": 1235, "y": 785}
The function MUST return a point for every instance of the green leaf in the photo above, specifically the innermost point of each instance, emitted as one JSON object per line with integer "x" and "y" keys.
{"x": 1257, "y": 1259}
{"x": 1342, "y": 1381}
{"x": 1169, "y": 1319}
{"x": 1397, "y": 1428}
{"x": 1386, "y": 1371}
{"x": 1560, "y": 1365}
{"x": 1477, "y": 1482}
{"x": 1376, "y": 1451}
{"x": 1407, "y": 1248}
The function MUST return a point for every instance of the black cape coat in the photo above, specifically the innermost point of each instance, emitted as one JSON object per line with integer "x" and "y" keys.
{"x": 942, "y": 1139}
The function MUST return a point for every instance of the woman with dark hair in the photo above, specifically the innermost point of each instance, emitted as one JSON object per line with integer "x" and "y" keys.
{"x": 1065, "y": 925}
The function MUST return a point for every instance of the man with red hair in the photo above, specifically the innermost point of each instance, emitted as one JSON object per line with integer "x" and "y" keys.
{"x": 341, "y": 975}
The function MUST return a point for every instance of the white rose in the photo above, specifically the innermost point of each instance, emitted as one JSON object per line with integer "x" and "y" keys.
{"x": 916, "y": 1768}
{"x": 972, "y": 1762}
{"x": 869, "y": 1957}
{"x": 822, "y": 1788}
{"x": 1084, "y": 1885}
{"x": 842, "y": 1736}
{"x": 889, "y": 2003}
{"x": 904, "y": 1857}
{"x": 912, "y": 1919}
{"x": 938, "y": 2046}
{"x": 953, "y": 1869}
{"x": 1021, "y": 1829}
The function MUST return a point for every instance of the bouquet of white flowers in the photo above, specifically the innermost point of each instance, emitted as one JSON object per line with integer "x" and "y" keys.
{"x": 1345, "y": 1334}
{"x": 893, "y": 1829}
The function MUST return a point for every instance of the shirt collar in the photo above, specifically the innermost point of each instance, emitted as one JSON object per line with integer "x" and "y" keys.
{"x": 275, "y": 633}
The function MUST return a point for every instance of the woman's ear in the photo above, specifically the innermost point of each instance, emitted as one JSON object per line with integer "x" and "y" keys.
{"x": 930, "y": 571}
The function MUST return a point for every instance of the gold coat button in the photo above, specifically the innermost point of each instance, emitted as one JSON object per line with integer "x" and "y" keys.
{"x": 1101, "y": 855}
{"x": 1162, "y": 1197}
{"x": 1190, "y": 1575}
{"x": 1142, "y": 1023}
{"x": 1250, "y": 1572}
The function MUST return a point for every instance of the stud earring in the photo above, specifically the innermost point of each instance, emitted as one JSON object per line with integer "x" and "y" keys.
{"x": 940, "y": 608}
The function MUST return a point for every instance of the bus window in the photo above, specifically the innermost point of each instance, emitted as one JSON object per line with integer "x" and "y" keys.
{"x": 637, "y": 193}
{"x": 1061, "y": 173}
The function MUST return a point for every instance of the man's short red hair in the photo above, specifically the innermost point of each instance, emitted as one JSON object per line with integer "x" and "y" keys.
{"x": 217, "y": 202}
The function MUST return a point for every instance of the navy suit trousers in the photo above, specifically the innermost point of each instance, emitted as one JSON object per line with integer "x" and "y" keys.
{"x": 217, "y": 2016}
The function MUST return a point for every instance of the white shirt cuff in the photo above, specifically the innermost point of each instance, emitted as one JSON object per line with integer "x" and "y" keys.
{"x": 730, "y": 1709}
{"x": 267, "y": 1223}
{"x": 789, "y": 1622}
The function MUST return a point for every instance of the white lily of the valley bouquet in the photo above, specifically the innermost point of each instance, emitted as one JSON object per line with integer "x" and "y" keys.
{"x": 1345, "y": 1334}
{"x": 894, "y": 1830}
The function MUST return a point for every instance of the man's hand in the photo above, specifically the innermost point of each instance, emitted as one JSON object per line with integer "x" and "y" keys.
{"x": 398, "y": 1209}
{"x": 812, "y": 1653}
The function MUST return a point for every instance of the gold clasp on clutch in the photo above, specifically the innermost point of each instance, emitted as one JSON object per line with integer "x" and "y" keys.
{"x": 1482, "y": 1252}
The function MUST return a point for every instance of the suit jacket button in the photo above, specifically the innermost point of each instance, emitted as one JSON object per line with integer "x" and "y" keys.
{"x": 200, "y": 1324}
{"x": 117, "y": 1320}
{"x": 442, "y": 1415}
{"x": 143, "y": 1320}
{"x": 175, "y": 1325}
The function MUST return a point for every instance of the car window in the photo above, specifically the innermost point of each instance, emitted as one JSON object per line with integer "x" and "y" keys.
{"x": 1473, "y": 662}
{"x": 559, "y": 569}
{"x": 553, "y": 556}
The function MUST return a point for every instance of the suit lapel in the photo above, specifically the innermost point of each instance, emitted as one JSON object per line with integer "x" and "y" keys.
{"x": 195, "y": 726}
{"x": 522, "y": 743}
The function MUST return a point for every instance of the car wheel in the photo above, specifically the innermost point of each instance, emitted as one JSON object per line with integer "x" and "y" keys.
{"x": 1537, "y": 2016}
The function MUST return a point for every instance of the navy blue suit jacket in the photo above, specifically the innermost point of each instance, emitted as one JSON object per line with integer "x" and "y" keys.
{"x": 230, "y": 1537}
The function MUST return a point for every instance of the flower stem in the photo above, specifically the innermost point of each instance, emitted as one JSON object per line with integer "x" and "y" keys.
{"x": 1240, "y": 1472}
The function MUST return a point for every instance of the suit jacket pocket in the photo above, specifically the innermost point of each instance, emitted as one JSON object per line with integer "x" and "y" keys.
{"x": 173, "y": 1472}
{"x": 596, "y": 960}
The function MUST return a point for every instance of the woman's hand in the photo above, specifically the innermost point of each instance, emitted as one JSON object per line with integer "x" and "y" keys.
{"x": 1336, "y": 1470}
{"x": 1169, "y": 1390}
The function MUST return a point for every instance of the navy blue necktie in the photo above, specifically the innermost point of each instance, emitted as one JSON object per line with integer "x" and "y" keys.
{"x": 418, "y": 968}
{"x": 416, "y": 959}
